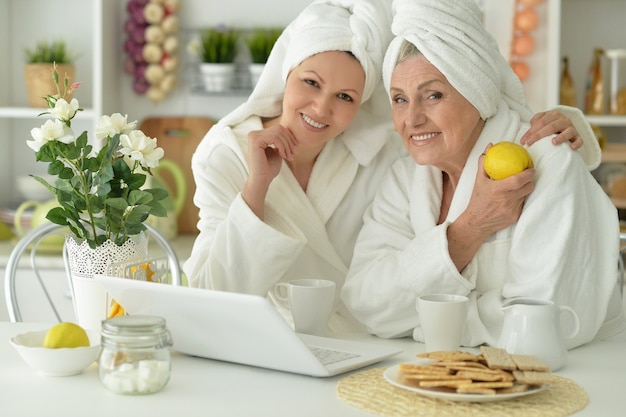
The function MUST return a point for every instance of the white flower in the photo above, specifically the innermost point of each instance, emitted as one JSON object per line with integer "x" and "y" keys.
{"x": 194, "y": 48}
{"x": 109, "y": 126}
{"x": 136, "y": 146}
{"x": 63, "y": 110}
{"x": 49, "y": 131}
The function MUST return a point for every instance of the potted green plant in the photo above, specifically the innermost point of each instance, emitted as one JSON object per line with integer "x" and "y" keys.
{"x": 260, "y": 42}
{"x": 217, "y": 50}
{"x": 38, "y": 69}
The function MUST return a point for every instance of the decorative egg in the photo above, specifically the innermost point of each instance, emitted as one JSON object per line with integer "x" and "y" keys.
{"x": 526, "y": 20}
{"x": 523, "y": 44}
{"x": 154, "y": 34}
{"x": 170, "y": 24}
{"x": 152, "y": 53}
{"x": 530, "y": 3}
{"x": 521, "y": 69}
{"x": 140, "y": 86}
{"x": 155, "y": 94}
{"x": 154, "y": 74}
{"x": 153, "y": 13}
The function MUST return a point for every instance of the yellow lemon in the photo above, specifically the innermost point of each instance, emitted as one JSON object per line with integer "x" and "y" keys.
{"x": 66, "y": 335}
{"x": 149, "y": 273}
{"x": 505, "y": 159}
{"x": 116, "y": 310}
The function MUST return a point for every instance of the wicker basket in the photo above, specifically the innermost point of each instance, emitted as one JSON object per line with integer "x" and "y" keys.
{"x": 39, "y": 82}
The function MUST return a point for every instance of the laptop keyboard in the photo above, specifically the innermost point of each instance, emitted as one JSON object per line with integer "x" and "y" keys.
{"x": 328, "y": 356}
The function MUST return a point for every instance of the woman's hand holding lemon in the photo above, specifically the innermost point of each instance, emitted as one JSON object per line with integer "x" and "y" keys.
{"x": 495, "y": 205}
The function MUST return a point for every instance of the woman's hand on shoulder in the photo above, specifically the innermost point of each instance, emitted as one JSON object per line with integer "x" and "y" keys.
{"x": 552, "y": 122}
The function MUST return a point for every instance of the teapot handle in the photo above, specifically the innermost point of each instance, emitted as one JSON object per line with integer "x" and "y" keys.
{"x": 17, "y": 219}
{"x": 576, "y": 328}
{"x": 179, "y": 180}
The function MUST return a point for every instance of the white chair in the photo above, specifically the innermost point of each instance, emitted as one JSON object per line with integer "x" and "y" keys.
{"x": 32, "y": 240}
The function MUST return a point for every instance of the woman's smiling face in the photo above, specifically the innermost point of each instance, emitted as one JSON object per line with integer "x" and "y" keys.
{"x": 438, "y": 125}
{"x": 322, "y": 97}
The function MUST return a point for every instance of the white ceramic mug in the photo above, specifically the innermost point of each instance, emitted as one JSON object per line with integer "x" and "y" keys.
{"x": 442, "y": 317}
{"x": 311, "y": 302}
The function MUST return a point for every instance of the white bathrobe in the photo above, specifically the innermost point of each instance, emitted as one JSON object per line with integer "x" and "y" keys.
{"x": 563, "y": 248}
{"x": 308, "y": 235}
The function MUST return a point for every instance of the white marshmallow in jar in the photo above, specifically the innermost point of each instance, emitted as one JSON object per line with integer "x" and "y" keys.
{"x": 135, "y": 357}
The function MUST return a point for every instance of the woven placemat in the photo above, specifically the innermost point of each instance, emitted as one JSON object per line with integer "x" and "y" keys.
{"x": 369, "y": 391}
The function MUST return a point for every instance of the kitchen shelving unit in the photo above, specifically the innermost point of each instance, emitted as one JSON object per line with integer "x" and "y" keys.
{"x": 88, "y": 26}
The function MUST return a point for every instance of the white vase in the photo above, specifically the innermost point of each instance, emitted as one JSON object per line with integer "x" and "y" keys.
{"x": 255, "y": 73}
{"x": 91, "y": 301}
{"x": 217, "y": 77}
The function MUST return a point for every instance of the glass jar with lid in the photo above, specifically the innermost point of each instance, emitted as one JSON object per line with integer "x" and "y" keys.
{"x": 135, "y": 357}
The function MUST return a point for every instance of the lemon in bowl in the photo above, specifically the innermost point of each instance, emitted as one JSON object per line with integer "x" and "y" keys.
{"x": 62, "y": 360}
{"x": 505, "y": 159}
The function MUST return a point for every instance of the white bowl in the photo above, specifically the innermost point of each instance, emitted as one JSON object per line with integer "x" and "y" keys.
{"x": 56, "y": 362}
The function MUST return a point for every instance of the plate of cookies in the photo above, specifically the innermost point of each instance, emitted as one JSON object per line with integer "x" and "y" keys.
{"x": 491, "y": 375}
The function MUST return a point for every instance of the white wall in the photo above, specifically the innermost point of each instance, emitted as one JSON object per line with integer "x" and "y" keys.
{"x": 195, "y": 14}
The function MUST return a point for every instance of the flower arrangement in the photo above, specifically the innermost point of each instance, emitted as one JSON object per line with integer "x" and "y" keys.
{"x": 99, "y": 186}
{"x": 151, "y": 46}
{"x": 260, "y": 43}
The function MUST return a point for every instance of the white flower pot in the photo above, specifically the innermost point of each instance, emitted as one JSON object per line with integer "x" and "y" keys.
{"x": 255, "y": 73}
{"x": 91, "y": 301}
{"x": 217, "y": 77}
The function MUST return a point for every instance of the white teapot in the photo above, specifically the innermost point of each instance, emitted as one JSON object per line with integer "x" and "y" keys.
{"x": 533, "y": 327}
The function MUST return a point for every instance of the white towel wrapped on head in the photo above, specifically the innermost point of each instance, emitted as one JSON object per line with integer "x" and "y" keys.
{"x": 451, "y": 36}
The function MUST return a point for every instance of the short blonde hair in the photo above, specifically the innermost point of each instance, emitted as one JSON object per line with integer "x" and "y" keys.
{"x": 407, "y": 50}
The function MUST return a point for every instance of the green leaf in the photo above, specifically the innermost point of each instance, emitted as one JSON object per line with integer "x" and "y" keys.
{"x": 118, "y": 203}
{"x": 137, "y": 197}
{"x": 57, "y": 216}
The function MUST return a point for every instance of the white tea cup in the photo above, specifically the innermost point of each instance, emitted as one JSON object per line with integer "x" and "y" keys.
{"x": 311, "y": 302}
{"x": 442, "y": 317}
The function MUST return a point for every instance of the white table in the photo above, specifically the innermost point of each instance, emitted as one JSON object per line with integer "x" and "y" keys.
{"x": 202, "y": 387}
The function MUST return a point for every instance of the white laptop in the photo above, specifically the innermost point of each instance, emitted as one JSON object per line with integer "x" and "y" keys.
{"x": 240, "y": 328}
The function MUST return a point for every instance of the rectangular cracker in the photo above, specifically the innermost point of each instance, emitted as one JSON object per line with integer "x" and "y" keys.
{"x": 449, "y": 355}
{"x": 469, "y": 389}
{"x": 529, "y": 363}
{"x": 409, "y": 368}
{"x": 454, "y": 383}
{"x": 514, "y": 389}
{"x": 498, "y": 358}
{"x": 431, "y": 377}
{"x": 461, "y": 365}
{"x": 491, "y": 384}
{"x": 480, "y": 376}
{"x": 532, "y": 377}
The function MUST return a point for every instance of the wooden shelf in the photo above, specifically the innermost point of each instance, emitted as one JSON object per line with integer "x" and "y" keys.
{"x": 606, "y": 120}
{"x": 34, "y": 112}
{"x": 614, "y": 152}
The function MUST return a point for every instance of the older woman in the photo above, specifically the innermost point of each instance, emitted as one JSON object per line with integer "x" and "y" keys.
{"x": 453, "y": 95}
